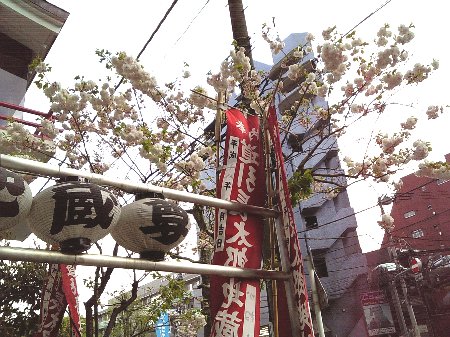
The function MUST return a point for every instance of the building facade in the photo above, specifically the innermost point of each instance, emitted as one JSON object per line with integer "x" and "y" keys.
{"x": 146, "y": 294}
{"x": 422, "y": 231}
{"x": 326, "y": 224}
{"x": 28, "y": 29}
{"x": 421, "y": 214}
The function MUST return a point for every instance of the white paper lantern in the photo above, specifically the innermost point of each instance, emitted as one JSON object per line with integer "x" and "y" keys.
{"x": 73, "y": 214}
{"x": 15, "y": 199}
{"x": 151, "y": 227}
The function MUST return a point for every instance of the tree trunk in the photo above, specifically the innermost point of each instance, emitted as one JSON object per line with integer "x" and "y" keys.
{"x": 239, "y": 27}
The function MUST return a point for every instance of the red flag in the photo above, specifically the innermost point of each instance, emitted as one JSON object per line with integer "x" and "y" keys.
{"x": 59, "y": 290}
{"x": 53, "y": 304}
{"x": 69, "y": 286}
{"x": 295, "y": 255}
{"x": 235, "y": 303}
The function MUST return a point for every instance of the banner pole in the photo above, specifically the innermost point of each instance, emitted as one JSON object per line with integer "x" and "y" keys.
{"x": 31, "y": 166}
{"x": 288, "y": 284}
{"x": 271, "y": 229}
{"x": 217, "y": 129}
{"x": 315, "y": 295}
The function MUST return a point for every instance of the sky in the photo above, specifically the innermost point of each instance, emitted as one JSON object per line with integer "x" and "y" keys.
{"x": 198, "y": 32}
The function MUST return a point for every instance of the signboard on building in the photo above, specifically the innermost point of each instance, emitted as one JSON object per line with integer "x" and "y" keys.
{"x": 162, "y": 327}
{"x": 377, "y": 313}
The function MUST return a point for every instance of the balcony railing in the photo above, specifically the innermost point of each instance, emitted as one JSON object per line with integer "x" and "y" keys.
{"x": 11, "y": 106}
{"x": 41, "y": 156}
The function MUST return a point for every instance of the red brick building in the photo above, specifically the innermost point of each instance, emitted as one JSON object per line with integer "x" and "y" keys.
{"x": 421, "y": 212}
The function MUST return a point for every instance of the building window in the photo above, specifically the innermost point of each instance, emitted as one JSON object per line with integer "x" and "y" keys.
{"x": 409, "y": 214}
{"x": 418, "y": 233}
{"x": 320, "y": 266}
{"x": 429, "y": 207}
{"x": 295, "y": 142}
{"x": 442, "y": 181}
{"x": 311, "y": 222}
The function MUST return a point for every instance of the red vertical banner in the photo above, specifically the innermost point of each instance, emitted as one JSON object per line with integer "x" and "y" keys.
{"x": 295, "y": 255}
{"x": 53, "y": 304}
{"x": 59, "y": 291}
{"x": 69, "y": 287}
{"x": 235, "y": 303}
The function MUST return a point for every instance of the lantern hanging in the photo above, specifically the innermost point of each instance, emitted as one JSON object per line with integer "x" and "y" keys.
{"x": 15, "y": 199}
{"x": 74, "y": 214}
{"x": 151, "y": 227}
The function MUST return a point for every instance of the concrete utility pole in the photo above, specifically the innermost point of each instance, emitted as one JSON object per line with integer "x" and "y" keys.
{"x": 315, "y": 294}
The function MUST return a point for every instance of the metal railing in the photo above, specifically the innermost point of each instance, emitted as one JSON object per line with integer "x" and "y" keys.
{"x": 11, "y": 106}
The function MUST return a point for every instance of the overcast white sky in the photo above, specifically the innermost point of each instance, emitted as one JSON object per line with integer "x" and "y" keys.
{"x": 126, "y": 26}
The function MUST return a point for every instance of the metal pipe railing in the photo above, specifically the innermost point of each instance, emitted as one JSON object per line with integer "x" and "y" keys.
{"x": 21, "y": 121}
{"x": 23, "y": 109}
{"x": 39, "y": 168}
{"x": 47, "y": 256}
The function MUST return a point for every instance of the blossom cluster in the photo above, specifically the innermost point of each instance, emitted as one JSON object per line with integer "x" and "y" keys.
{"x": 432, "y": 111}
{"x": 131, "y": 69}
{"x": 438, "y": 170}
{"x": 96, "y": 118}
{"x": 16, "y": 139}
{"x": 188, "y": 324}
{"x": 275, "y": 44}
{"x": 386, "y": 222}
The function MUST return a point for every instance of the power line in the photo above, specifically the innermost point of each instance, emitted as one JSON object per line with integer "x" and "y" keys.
{"x": 421, "y": 220}
{"x": 157, "y": 28}
{"x": 366, "y": 209}
{"x": 368, "y": 16}
{"x": 151, "y": 36}
{"x": 190, "y": 24}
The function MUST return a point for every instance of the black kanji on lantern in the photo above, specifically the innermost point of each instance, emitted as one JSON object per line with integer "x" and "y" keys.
{"x": 15, "y": 186}
{"x": 81, "y": 204}
{"x": 168, "y": 222}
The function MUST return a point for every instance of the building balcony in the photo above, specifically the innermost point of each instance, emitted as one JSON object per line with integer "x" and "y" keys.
{"x": 28, "y": 28}
{"x": 18, "y": 110}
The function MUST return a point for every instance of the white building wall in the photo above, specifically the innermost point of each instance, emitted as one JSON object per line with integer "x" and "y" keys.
{"x": 334, "y": 239}
{"x": 12, "y": 90}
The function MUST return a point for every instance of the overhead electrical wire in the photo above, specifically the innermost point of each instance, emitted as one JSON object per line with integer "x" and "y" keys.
{"x": 366, "y": 209}
{"x": 151, "y": 36}
{"x": 421, "y": 220}
{"x": 190, "y": 24}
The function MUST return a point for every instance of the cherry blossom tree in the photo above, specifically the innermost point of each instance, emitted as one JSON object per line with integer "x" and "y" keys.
{"x": 156, "y": 132}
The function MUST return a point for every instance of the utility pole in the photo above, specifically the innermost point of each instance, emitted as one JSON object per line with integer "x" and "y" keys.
{"x": 412, "y": 316}
{"x": 393, "y": 287}
{"x": 398, "y": 308}
{"x": 393, "y": 254}
{"x": 239, "y": 27}
{"x": 315, "y": 294}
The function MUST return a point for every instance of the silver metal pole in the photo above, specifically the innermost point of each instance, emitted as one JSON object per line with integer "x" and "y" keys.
{"x": 288, "y": 283}
{"x": 46, "y": 256}
{"x": 36, "y": 167}
{"x": 398, "y": 308}
{"x": 412, "y": 316}
{"x": 315, "y": 294}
